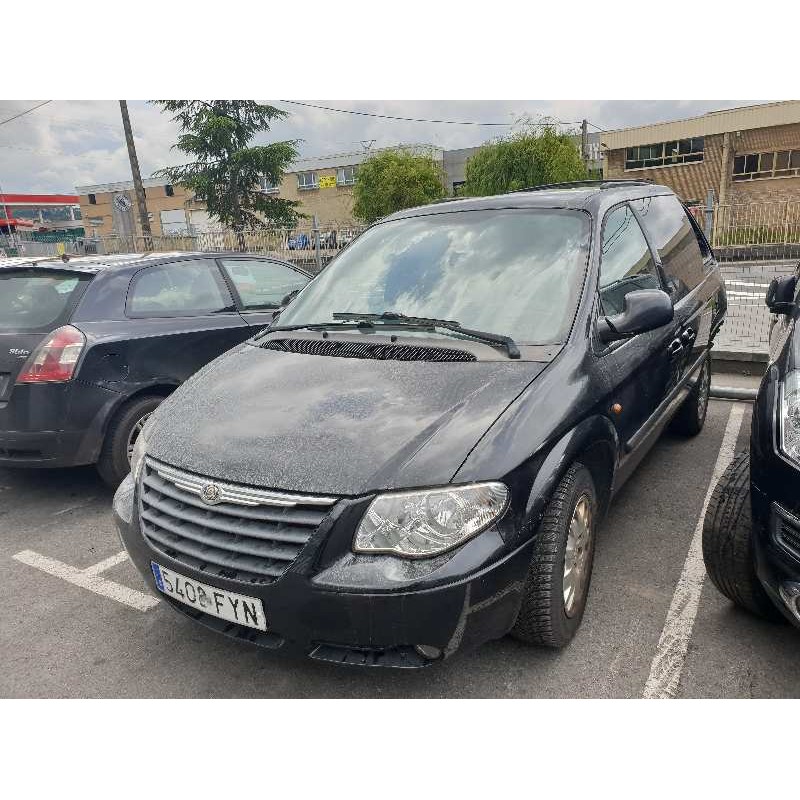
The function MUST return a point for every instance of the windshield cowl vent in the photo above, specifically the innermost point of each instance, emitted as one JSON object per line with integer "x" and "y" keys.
{"x": 376, "y": 350}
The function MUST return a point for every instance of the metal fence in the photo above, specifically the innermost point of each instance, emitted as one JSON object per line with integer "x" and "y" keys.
{"x": 308, "y": 247}
{"x": 766, "y": 231}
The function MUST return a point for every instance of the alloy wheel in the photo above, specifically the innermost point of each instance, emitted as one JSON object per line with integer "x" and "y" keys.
{"x": 577, "y": 556}
{"x": 134, "y": 434}
{"x": 703, "y": 392}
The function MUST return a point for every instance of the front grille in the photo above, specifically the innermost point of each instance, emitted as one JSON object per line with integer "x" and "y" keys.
{"x": 787, "y": 531}
{"x": 249, "y": 535}
{"x": 377, "y": 350}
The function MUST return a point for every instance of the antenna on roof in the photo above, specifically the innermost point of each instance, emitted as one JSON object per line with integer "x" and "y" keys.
{"x": 367, "y": 144}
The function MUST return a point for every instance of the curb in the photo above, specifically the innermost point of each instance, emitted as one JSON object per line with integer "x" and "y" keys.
{"x": 733, "y": 393}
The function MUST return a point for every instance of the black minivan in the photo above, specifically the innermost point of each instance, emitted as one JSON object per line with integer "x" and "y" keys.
{"x": 415, "y": 457}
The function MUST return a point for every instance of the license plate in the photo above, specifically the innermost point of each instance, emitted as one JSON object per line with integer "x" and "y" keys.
{"x": 238, "y": 608}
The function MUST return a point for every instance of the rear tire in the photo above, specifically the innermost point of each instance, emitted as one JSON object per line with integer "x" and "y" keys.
{"x": 728, "y": 544}
{"x": 549, "y": 615}
{"x": 114, "y": 462}
{"x": 691, "y": 417}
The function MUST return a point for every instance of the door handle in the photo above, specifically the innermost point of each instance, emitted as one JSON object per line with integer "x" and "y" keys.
{"x": 688, "y": 335}
{"x": 675, "y": 347}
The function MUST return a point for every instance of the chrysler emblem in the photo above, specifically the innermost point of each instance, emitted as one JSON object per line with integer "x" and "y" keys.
{"x": 210, "y": 494}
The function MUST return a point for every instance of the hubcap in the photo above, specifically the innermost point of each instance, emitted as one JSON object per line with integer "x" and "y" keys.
{"x": 705, "y": 388}
{"x": 577, "y": 555}
{"x": 134, "y": 434}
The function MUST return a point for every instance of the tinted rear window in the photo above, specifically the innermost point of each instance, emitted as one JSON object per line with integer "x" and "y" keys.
{"x": 38, "y": 300}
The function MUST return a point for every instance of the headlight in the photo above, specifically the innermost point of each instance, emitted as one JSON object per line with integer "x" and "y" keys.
{"x": 137, "y": 457}
{"x": 425, "y": 523}
{"x": 790, "y": 416}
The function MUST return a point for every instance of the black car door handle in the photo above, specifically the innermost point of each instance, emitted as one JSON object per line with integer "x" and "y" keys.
{"x": 675, "y": 347}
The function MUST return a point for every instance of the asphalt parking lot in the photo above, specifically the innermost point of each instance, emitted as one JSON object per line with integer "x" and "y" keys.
{"x": 59, "y": 637}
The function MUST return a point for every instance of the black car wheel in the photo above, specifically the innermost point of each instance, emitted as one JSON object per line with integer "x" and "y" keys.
{"x": 692, "y": 414}
{"x": 115, "y": 457}
{"x": 558, "y": 580}
{"x": 727, "y": 541}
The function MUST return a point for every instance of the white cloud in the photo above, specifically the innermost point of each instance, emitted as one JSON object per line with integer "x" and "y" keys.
{"x": 71, "y": 143}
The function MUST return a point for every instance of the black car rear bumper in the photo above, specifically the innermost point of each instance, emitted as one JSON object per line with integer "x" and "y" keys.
{"x": 54, "y": 425}
{"x": 39, "y": 448}
{"x": 364, "y": 627}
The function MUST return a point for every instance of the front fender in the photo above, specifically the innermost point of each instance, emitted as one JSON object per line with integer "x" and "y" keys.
{"x": 595, "y": 441}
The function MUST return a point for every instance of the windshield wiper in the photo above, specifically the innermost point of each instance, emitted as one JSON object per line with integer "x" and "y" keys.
{"x": 396, "y": 318}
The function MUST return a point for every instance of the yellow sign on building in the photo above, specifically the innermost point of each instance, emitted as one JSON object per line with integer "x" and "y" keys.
{"x": 327, "y": 182}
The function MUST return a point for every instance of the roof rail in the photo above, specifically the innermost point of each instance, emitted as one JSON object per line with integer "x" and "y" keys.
{"x": 600, "y": 184}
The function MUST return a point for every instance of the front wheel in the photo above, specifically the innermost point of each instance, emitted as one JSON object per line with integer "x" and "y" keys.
{"x": 123, "y": 431}
{"x": 558, "y": 579}
{"x": 728, "y": 543}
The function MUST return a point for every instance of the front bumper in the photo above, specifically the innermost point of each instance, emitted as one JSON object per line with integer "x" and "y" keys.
{"x": 367, "y": 626}
{"x": 776, "y": 542}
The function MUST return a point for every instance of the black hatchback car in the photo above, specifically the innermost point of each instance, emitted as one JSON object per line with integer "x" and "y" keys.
{"x": 415, "y": 457}
{"x": 90, "y": 347}
{"x": 751, "y": 533}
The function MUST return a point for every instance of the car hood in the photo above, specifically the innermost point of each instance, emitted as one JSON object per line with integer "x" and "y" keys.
{"x": 329, "y": 425}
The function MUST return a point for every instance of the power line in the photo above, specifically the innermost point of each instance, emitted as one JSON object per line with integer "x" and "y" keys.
{"x": 400, "y": 119}
{"x": 27, "y": 111}
{"x": 433, "y": 121}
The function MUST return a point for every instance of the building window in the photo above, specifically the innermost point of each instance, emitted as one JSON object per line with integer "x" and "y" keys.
{"x": 345, "y": 176}
{"x": 169, "y": 190}
{"x": 92, "y": 200}
{"x": 307, "y": 180}
{"x": 665, "y": 154}
{"x": 777, "y": 164}
{"x": 267, "y": 186}
{"x": 173, "y": 222}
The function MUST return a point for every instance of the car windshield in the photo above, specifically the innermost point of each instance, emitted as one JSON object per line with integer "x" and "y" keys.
{"x": 512, "y": 272}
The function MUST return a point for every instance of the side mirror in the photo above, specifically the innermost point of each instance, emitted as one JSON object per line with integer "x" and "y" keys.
{"x": 645, "y": 310}
{"x": 780, "y": 295}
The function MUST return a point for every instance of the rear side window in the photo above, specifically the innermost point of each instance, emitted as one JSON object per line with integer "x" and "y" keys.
{"x": 38, "y": 300}
{"x": 668, "y": 225}
{"x": 263, "y": 284}
{"x": 626, "y": 264}
{"x": 183, "y": 288}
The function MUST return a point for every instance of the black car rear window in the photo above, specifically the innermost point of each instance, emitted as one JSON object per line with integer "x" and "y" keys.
{"x": 38, "y": 300}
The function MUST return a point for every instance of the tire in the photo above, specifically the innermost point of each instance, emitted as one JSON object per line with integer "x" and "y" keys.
{"x": 728, "y": 544}
{"x": 691, "y": 416}
{"x": 545, "y": 617}
{"x": 114, "y": 462}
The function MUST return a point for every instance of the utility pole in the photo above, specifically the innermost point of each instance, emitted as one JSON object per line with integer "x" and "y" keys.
{"x": 10, "y": 233}
{"x": 137, "y": 177}
{"x": 585, "y": 143}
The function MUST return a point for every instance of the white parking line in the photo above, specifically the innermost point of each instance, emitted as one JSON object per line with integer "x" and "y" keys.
{"x": 667, "y": 666}
{"x": 90, "y": 578}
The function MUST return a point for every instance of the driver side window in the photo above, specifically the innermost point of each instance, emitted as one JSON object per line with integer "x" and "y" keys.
{"x": 626, "y": 264}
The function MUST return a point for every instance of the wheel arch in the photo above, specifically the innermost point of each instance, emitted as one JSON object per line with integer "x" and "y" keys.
{"x": 593, "y": 442}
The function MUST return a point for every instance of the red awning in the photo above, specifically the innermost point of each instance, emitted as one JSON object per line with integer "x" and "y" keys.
{"x": 39, "y": 199}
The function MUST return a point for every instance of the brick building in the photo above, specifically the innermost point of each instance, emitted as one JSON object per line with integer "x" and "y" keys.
{"x": 323, "y": 186}
{"x": 748, "y": 154}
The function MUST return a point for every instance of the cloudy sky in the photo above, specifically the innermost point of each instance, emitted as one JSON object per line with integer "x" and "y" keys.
{"x": 72, "y": 143}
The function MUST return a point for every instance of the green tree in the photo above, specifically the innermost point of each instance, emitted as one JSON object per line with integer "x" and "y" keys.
{"x": 393, "y": 180}
{"x": 531, "y": 157}
{"x": 225, "y": 171}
